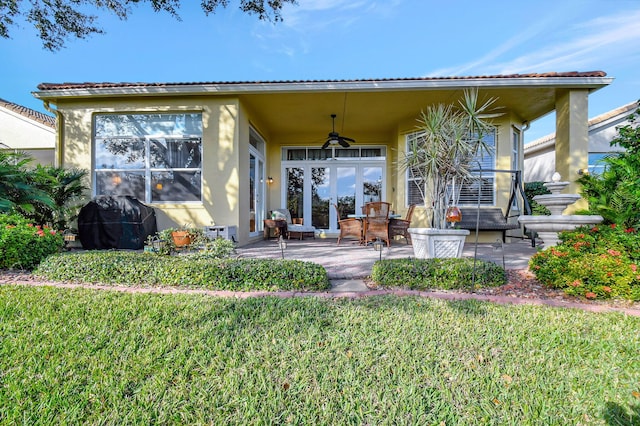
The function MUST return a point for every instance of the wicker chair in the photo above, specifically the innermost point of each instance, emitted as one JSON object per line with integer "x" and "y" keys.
{"x": 400, "y": 226}
{"x": 377, "y": 222}
{"x": 377, "y": 209}
{"x": 349, "y": 227}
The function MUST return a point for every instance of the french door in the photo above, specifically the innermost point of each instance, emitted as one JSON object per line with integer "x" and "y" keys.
{"x": 256, "y": 192}
{"x": 312, "y": 188}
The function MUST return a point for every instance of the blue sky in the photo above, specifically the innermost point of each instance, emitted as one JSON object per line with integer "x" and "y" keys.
{"x": 346, "y": 39}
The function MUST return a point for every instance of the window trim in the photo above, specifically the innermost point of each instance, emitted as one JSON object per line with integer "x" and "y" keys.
{"x": 148, "y": 171}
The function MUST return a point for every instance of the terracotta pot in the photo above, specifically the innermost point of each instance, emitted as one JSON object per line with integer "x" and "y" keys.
{"x": 181, "y": 238}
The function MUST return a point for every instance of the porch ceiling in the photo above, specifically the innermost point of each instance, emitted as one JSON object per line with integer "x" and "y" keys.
{"x": 370, "y": 115}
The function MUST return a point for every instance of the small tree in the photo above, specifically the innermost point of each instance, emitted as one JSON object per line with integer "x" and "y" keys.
{"x": 441, "y": 156}
{"x": 615, "y": 193}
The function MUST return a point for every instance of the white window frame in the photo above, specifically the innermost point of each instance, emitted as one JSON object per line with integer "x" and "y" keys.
{"x": 147, "y": 171}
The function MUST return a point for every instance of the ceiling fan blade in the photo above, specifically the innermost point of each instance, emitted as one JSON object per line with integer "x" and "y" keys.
{"x": 343, "y": 143}
{"x": 325, "y": 145}
{"x": 347, "y": 139}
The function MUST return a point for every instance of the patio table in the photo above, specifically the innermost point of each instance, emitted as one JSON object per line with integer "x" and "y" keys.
{"x": 362, "y": 216}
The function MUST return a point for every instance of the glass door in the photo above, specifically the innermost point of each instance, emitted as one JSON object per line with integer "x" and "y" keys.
{"x": 346, "y": 191}
{"x": 256, "y": 192}
{"x": 312, "y": 189}
{"x": 321, "y": 196}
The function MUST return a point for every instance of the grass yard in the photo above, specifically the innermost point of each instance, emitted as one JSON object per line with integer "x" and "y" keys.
{"x": 98, "y": 357}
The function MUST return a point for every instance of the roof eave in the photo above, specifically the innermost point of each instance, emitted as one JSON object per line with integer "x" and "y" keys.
{"x": 591, "y": 83}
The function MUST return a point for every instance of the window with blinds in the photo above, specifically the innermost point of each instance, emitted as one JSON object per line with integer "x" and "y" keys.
{"x": 481, "y": 185}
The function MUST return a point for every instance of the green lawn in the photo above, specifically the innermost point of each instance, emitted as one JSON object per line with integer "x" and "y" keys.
{"x": 100, "y": 357}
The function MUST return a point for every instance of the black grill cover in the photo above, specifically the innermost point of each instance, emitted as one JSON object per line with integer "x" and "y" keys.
{"x": 115, "y": 222}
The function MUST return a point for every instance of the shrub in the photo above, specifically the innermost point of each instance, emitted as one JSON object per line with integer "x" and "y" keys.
{"x": 65, "y": 187}
{"x": 615, "y": 193}
{"x": 196, "y": 236}
{"x": 531, "y": 189}
{"x": 24, "y": 245}
{"x": 421, "y": 274}
{"x": 213, "y": 248}
{"x": 207, "y": 248}
{"x": 592, "y": 262}
{"x": 135, "y": 268}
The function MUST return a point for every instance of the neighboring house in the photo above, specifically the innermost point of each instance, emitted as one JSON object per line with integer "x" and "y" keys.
{"x": 540, "y": 154}
{"x": 26, "y": 130}
{"x": 230, "y": 152}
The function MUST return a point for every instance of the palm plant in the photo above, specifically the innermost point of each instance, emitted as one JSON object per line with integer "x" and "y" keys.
{"x": 442, "y": 154}
{"x": 65, "y": 187}
{"x": 16, "y": 190}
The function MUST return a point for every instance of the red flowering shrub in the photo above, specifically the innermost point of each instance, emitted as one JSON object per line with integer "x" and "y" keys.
{"x": 23, "y": 245}
{"x": 597, "y": 262}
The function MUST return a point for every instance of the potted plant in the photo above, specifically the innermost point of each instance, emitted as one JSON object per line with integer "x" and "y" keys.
{"x": 440, "y": 157}
{"x": 181, "y": 237}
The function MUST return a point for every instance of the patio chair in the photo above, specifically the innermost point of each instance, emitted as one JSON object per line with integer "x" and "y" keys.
{"x": 296, "y": 227}
{"x": 349, "y": 227}
{"x": 399, "y": 227}
{"x": 377, "y": 209}
{"x": 377, "y": 222}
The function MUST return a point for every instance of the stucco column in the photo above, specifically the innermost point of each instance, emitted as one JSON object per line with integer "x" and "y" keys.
{"x": 572, "y": 139}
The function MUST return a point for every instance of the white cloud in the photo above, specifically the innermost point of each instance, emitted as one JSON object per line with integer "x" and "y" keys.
{"x": 591, "y": 44}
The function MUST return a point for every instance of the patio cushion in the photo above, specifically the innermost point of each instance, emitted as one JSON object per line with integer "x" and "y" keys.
{"x": 282, "y": 214}
{"x": 300, "y": 229}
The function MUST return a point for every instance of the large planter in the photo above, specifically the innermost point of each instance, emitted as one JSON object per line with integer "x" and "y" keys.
{"x": 441, "y": 243}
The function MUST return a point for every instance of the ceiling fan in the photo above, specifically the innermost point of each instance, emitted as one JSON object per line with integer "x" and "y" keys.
{"x": 334, "y": 138}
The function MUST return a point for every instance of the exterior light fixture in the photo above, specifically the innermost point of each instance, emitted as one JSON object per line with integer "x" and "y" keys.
{"x": 377, "y": 246}
{"x": 282, "y": 245}
{"x": 269, "y": 180}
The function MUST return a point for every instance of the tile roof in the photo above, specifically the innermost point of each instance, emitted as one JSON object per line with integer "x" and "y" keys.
{"x": 34, "y": 115}
{"x": 106, "y": 85}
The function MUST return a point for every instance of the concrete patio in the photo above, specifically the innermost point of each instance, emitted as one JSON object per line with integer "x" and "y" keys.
{"x": 349, "y": 263}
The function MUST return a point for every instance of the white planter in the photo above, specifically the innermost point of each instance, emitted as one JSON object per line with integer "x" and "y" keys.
{"x": 431, "y": 242}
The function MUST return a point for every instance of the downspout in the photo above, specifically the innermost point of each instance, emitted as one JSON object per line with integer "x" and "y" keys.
{"x": 59, "y": 130}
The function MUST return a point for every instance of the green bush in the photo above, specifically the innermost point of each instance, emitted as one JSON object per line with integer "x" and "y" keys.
{"x": 614, "y": 194}
{"x": 446, "y": 274}
{"x": 531, "y": 189}
{"x": 23, "y": 245}
{"x": 592, "y": 262}
{"x": 193, "y": 271}
{"x": 207, "y": 248}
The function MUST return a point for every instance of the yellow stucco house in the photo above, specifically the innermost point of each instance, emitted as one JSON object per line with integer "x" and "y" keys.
{"x": 227, "y": 153}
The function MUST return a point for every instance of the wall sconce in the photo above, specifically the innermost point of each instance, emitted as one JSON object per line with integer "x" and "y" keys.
{"x": 269, "y": 180}
{"x": 583, "y": 172}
